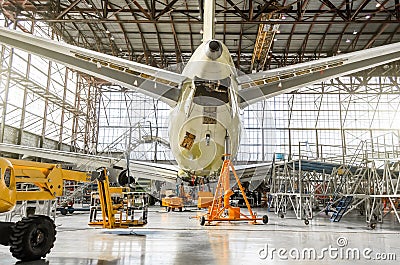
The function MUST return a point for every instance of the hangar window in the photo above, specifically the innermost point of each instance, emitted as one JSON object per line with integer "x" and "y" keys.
{"x": 211, "y": 92}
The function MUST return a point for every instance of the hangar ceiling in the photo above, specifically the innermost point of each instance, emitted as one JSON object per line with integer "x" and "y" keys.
{"x": 165, "y": 32}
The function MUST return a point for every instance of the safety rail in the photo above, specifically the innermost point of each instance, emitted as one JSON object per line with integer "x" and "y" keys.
{"x": 310, "y": 186}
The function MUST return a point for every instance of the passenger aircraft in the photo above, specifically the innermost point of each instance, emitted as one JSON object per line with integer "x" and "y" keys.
{"x": 205, "y": 98}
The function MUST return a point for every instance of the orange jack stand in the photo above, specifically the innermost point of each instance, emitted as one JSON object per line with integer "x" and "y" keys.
{"x": 221, "y": 210}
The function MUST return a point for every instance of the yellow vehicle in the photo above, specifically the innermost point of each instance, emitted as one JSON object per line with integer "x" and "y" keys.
{"x": 32, "y": 237}
{"x": 172, "y": 203}
{"x": 119, "y": 207}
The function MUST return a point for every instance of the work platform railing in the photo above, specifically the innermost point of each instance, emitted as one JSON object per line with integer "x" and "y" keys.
{"x": 368, "y": 182}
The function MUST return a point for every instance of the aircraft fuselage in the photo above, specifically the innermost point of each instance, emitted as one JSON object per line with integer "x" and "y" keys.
{"x": 207, "y": 111}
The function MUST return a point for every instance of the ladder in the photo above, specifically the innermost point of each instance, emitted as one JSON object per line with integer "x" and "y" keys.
{"x": 341, "y": 208}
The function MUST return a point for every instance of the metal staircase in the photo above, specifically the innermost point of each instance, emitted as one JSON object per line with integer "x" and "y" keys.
{"x": 341, "y": 208}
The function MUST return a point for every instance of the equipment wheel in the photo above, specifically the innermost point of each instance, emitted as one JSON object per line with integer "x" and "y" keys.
{"x": 202, "y": 220}
{"x": 282, "y": 216}
{"x": 373, "y": 225}
{"x": 32, "y": 238}
{"x": 152, "y": 200}
{"x": 306, "y": 222}
{"x": 63, "y": 211}
{"x": 265, "y": 219}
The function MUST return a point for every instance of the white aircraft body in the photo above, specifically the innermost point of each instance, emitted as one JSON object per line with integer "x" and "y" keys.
{"x": 206, "y": 115}
{"x": 207, "y": 96}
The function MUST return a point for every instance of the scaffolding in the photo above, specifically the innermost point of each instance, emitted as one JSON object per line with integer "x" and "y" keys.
{"x": 43, "y": 103}
{"x": 368, "y": 182}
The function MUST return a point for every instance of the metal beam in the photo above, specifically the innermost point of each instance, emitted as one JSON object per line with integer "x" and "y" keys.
{"x": 375, "y": 36}
{"x": 238, "y": 10}
{"x": 104, "y": 4}
{"x": 147, "y": 14}
{"x": 167, "y": 8}
{"x": 190, "y": 30}
{"x": 195, "y": 11}
{"x": 262, "y": 9}
{"x": 146, "y": 50}
{"x": 65, "y": 11}
{"x": 229, "y": 22}
{"x": 176, "y": 41}
{"x": 359, "y": 9}
{"x": 333, "y": 7}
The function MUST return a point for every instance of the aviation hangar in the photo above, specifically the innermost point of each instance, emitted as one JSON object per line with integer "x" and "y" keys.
{"x": 199, "y": 131}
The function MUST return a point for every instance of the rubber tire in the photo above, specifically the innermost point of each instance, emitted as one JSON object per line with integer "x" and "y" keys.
{"x": 202, "y": 221}
{"x": 168, "y": 209}
{"x": 63, "y": 211}
{"x": 373, "y": 225}
{"x": 265, "y": 219}
{"x": 71, "y": 211}
{"x": 180, "y": 209}
{"x": 24, "y": 231}
{"x": 152, "y": 200}
{"x": 282, "y": 216}
{"x": 306, "y": 222}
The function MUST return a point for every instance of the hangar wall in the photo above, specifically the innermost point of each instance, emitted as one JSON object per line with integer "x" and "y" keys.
{"x": 45, "y": 104}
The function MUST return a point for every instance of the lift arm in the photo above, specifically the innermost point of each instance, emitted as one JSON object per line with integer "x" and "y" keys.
{"x": 47, "y": 178}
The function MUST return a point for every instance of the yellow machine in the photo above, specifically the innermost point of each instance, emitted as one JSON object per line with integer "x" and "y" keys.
{"x": 172, "y": 203}
{"x": 33, "y": 237}
{"x": 119, "y": 207}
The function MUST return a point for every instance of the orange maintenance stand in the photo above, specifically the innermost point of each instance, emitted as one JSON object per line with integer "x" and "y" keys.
{"x": 220, "y": 209}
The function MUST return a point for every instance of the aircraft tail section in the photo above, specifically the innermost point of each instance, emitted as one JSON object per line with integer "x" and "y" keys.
{"x": 209, "y": 20}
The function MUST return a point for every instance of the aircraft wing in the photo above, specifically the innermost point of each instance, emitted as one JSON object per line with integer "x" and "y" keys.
{"x": 86, "y": 162}
{"x": 258, "y": 86}
{"x": 152, "y": 81}
{"x": 253, "y": 173}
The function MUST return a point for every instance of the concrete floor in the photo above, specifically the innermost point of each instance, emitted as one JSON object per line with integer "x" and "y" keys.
{"x": 176, "y": 238}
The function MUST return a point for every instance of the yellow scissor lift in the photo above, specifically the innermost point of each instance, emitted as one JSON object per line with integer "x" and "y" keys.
{"x": 119, "y": 207}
